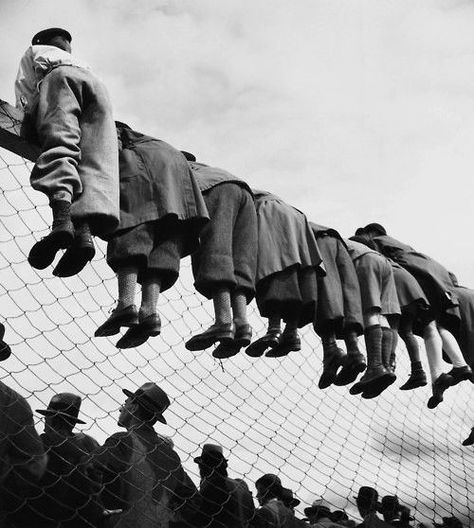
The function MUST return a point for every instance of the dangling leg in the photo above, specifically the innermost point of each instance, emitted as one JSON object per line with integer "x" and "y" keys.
{"x": 355, "y": 361}
{"x": 125, "y": 314}
{"x": 270, "y": 340}
{"x": 461, "y": 370}
{"x": 440, "y": 380}
{"x": 418, "y": 376}
{"x": 333, "y": 358}
{"x": 289, "y": 341}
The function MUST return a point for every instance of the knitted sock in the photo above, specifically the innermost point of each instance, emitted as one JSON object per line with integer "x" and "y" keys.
{"x": 373, "y": 344}
{"x": 222, "y": 306}
{"x": 239, "y": 308}
{"x": 151, "y": 288}
{"x": 127, "y": 284}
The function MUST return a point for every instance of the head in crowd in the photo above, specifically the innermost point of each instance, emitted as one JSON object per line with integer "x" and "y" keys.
{"x": 318, "y": 510}
{"x": 144, "y": 406}
{"x": 211, "y": 461}
{"x": 62, "y": 413}
{"x": 367, "y": 500}
{"x": 449, "y": 522}
{"x": 268, "y": 487}
{"x": 390, "y": 507}
{"x": 288, "y": 499}
{"x": 58, "y": 37}
{"x": 374, "y": 229}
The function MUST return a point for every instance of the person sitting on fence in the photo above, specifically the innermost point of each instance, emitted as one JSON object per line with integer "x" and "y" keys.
{"x": 272, "y": 512}
{"x": 437, "y": 284}
{"x": 70, "y": 112}
{"x": 162, "y": 214}
{"x": 287, "y": 267}
{"x": 225, "y": 264}
{"x": 225, "y": 502}
{"x": 381, "y": 310}
{"x": 339, "y": 311}
{"x": 141, "y": 472}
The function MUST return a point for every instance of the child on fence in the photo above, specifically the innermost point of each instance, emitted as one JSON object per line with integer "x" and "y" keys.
{"x": 224, "y": 266}
{"x": 287, "y": 269}
{"x": 162, "y": 213}
{"x": 70, "y": 112}
{"x": 339, "y": 312}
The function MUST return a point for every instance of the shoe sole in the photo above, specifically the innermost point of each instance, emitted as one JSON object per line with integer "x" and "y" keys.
{"x": 47, "y": 248}
{"x": 75, "y": 262}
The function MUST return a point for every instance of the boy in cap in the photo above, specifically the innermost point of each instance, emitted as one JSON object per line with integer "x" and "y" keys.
{"x": 141, "y": 472}
{"x": 70, "y": 112}
{"x": 225, "y": 502}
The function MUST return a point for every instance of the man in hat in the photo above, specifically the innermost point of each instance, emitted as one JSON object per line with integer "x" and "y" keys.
{"x": 225, "y": 502}
{"x": 367, "y": 501}
{"x": 272, "y": 512}
{"x": 318, "y": 514}
{"x": 390, "y": 508}
{"x": 141, "y": 472}
{"x": 69, "y": 110}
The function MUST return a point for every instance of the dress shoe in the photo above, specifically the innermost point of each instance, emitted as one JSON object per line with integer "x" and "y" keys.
{"x": 119, "y": 317}
{"x": 461, "y": 373}
{"x": 417, "y": 379}
{"x": 333, "y": 360}
{"x": 243, "y": 335}
{"x": 470, "y": 439}
{"x": 138, "y": 334}
{"x": 5, "y": 350}
{"x": 269, "y": 340}
{"x": 222, "y": 332}
{"x": 289, "y": 342}
{"x": 353, "y": 365}
{"x": 77, "y": 256}
{"x": 442, "y": 382}
{"x": 227, "y": 349}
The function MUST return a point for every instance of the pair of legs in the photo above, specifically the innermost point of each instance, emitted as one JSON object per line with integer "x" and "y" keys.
{"x": 417, "y": 376}
{"x": 277, "y": 343}
{"x": 78, "y": 166}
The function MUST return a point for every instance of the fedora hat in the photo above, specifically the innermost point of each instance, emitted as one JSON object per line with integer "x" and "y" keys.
{"x": 389, "y": 503}
{"x": 152, "y": 398}
{"x": 289, "y": 499}
{"x": 367, "y": 496}
{"x": 318, "y": 506}
{"x": 64, "y": 404}
{"x": 210, "y": 453}
{"x": 44, "y": 36}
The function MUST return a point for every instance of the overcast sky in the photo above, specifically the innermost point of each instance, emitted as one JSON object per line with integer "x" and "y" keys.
{"x": 351, "y": 110}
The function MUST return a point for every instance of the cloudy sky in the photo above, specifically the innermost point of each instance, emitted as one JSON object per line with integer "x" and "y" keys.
{"x": 352, "y": 110}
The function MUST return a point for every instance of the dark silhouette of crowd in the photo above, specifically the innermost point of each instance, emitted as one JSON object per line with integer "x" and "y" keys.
{"x": 154, "y": 205}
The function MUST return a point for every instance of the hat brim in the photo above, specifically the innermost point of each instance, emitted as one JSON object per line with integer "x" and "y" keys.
{"x": 50, "y": 412}
{"x": 159, "y": 416}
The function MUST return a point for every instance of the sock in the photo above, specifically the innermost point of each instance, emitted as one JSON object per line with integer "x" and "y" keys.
{"x": 352, "y": 343}
{"x": 151, "y": 288}
{"x": 416, "y": 365}
{"x": 329, "y": 346}
{"x": 274, "y": 322}
{"x": 222, "y": 306}
{"x": 239, "y": 308}
{"x": 127, "y": 284}
{"x": 373, "y": 344}
{"x": 387, "y": 338}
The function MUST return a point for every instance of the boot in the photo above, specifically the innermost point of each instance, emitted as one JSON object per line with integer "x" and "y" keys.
{"x": 417, "y": 379}
{"x": 61, "y": 236}
{"x": 353, "y": 365}
{"x": 333, "y": 359}
{"x": 78, "y": 255}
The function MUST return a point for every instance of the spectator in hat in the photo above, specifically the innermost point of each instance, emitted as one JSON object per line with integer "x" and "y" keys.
{"x": 288, "y": 264}
{"x": 367, "y": 501}
{"x": 225, "y": 502}
{"x": 141, "y": 472}
{"x": 470, "y": 439}
{"x": 439, "y": 288}
{"x": 162, "y": 213}
{"x": 291, "y": 502}
{"x": 381, "y": 311}
{"x": 225, "y": 264}
{"x": 22, "y": 456}
{"x": 69, "y": 110}
{"x": 272, "y": 512}
{"x": 390, "y": 509}
{"x": 318, "y": 514}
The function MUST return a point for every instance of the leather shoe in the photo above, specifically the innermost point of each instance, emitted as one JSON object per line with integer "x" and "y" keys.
{"x": 269, "y": 340}
{"x": 442, "y": 382}
{"x": 352, "y": 367}
{"x": 331, "y": 363}
{"x": 42, "y": 253}
{"x": 5, "y": 350}
{"x": 417, "y": 379}
{"x": 289, "y": 342}
{"x": 223, "y": 332}
{"x": 227, "y": 349}
{"x": 243, "y": 335}
{"x": 124, "y": 317}
{"x": 138, "y": 334}
{"x": 461, "y": 373}
{"x": 77, "y": 256}
{"x": 374, "y": 379}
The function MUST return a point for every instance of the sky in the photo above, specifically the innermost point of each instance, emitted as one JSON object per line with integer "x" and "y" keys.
{"x": 353, "y": 111}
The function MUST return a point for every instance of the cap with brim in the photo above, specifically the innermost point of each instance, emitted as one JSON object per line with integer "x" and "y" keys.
{"x": 46, "y": 35}
{"x": 152, "y": 398}
{"x": 64, "y": 404}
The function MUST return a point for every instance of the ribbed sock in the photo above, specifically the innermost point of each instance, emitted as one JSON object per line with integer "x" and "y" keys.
{"x": 373, "y": 343}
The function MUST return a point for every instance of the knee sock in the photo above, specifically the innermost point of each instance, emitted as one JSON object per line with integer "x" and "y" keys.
{"x": 222, "y": 306}
{"x": 151, "y": 288}
{"x": 239, "y": 308}
{"x": 387, "y": 345}
{"x": 373, "y": 344}
{"x": 127, "y": 284}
